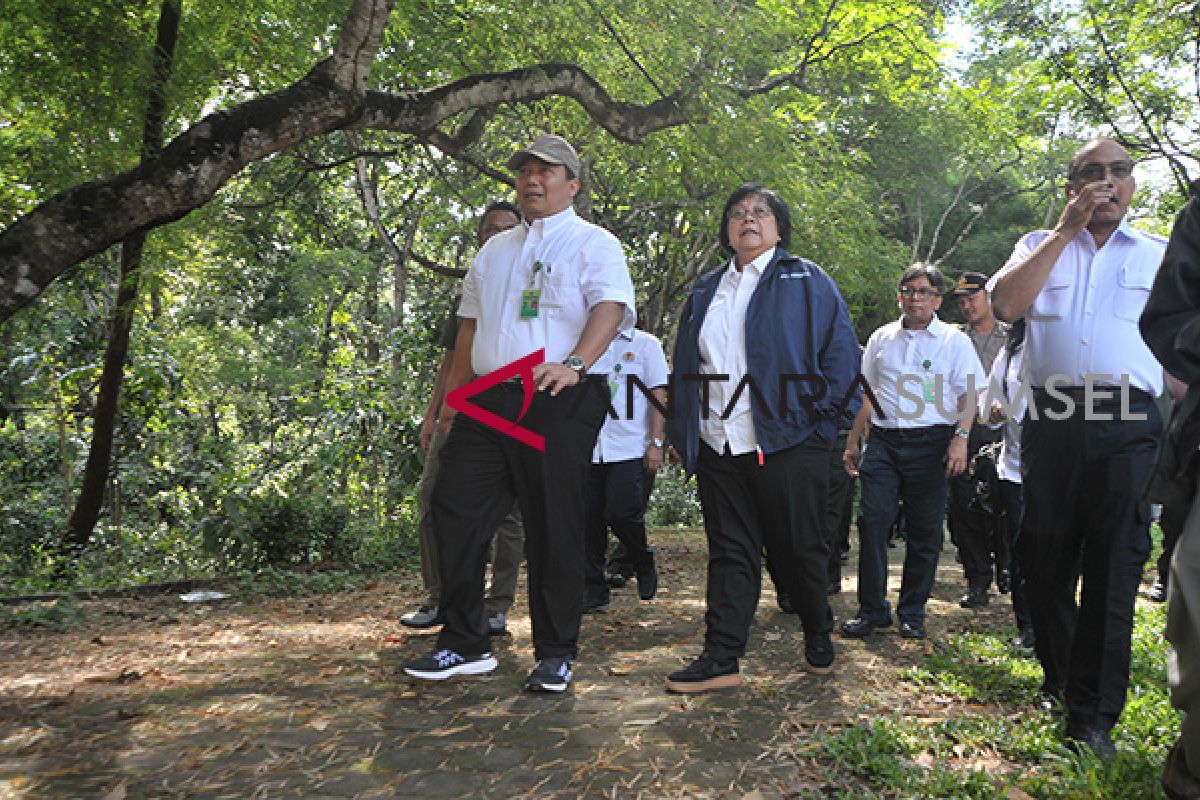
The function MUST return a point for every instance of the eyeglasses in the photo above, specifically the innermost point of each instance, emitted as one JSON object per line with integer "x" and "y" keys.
{"x": 917, "y": 293}
{"x": 1089, "y": 173}
{"x": 739, "y": 214}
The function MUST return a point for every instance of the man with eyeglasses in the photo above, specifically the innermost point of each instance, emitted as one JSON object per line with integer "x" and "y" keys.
{"x": 924, "y": 374}
{"x": 1081, "y": 288}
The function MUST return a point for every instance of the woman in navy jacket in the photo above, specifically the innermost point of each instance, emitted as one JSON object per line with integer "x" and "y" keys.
{"x": 766, "y": 362}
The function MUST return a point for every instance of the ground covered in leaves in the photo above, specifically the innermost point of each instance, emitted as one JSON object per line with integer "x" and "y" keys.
{"x": 304, "y": 697}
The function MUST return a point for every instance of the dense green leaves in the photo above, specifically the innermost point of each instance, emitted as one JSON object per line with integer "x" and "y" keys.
{"x": 285, "y": 347}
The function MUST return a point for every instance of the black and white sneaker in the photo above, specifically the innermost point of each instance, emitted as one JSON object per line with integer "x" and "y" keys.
{"x": 442, "y": 664}
{"x": 550, "y": 675}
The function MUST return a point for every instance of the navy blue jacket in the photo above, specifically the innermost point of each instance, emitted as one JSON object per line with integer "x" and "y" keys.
{"x": 796, "y": 325}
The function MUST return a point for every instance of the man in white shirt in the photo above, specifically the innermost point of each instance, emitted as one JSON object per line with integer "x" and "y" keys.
{"x": 925, "y": 375}
{"x": 1081, "y": 288}
{"x": 554, "y": 290}
{"x": 629, "y": 445}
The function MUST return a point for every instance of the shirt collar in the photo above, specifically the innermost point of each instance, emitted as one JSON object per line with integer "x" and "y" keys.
{"x": 547, "y": 225}
{"x": 757, "y": 266}
{"x": 934, "y": 328}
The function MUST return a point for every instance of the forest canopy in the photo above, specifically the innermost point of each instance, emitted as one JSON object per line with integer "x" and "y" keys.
{"x": 229, "y": 231}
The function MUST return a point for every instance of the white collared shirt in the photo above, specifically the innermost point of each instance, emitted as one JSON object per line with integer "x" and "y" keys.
{"x": 934, "y": 366}
{"x": 581, "y": 265}
{"x": 633, "y": 353}
{"x": 1084, "y": 321}
{"x": 723, "y": 352}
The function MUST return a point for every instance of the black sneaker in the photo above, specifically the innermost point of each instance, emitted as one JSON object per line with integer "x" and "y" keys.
{"x": 647, "y": 580}
{"x": 818, "y": 654}
{"x": 974, "y": 598}
{"x": 1157, "y": 592}
{"x": 595, "y": 605}
{"x": 442, "y": 664}
{"x": 1003, "y": 581}
{"x": 550, "y": 675}
{"x": 616, "y": 580}
{"x": 704, "y": 675}
{"x": 912, "y": 630}
{"x": 860, "y": 627}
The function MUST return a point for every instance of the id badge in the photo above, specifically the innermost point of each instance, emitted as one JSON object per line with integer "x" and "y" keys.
{"x": 531, "y": 300}
{"x": 929, "y": 386}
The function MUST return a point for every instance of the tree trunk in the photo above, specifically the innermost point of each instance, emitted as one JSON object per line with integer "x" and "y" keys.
{"x": 95, "y": 474}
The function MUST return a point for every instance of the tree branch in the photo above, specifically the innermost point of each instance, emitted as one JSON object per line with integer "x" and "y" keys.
{"x": 87, "y": 219}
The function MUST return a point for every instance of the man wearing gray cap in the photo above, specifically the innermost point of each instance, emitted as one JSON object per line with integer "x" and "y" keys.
{"x": 976, "y": 530}
{"x": 558, "y": 286}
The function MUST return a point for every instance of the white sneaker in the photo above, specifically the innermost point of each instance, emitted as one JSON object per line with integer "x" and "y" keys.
{"x": 424, "y": 617}
{"x": 497, "y": 624}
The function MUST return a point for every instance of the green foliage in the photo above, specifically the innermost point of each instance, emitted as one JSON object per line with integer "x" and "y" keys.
{"x": 56, "y": 615}
{"x": 673, "y": 504}
{"x": 282, "y": 352}
{"x": 277, "y": 528}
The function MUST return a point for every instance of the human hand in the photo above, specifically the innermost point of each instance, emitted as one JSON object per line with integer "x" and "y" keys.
{"x": 553, "y": 377}
{"x": 956, "y": 457}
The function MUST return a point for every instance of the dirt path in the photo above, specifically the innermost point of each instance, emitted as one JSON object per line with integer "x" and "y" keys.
{"x": 303, "y": 697}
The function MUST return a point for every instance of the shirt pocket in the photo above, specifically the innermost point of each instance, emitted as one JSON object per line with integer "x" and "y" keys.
{"x": 561, "y": 292}
{"x": 1054, "y": 300}
{"x": 1133, "y": 291}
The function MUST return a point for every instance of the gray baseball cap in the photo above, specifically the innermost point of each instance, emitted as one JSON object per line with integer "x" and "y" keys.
{"x": 549, "y": 148}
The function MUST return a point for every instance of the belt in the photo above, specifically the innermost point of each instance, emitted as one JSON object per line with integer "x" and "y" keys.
{"x": 1100, "y": 394}
{"x": 923, "y": 433}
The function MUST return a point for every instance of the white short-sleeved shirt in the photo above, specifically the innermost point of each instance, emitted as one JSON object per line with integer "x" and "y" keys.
{"x": 918, "y": 375}
{"x": 723, "y": 352}
{"x": 1084, "y": 321}
{"x": 581, "y": 264}
{"x": 632, "y": 353}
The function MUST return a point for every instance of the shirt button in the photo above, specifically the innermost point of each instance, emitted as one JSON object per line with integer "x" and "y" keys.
{"x": 1083, "y": 342}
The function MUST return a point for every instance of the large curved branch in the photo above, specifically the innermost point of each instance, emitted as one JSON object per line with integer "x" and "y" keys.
{"x": 87, "y": 219}
{"x": 421, "y": 110}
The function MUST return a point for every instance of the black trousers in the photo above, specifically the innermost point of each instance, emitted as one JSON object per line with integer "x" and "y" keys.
{"x": 901, "y": 465}
{"x": 482, "y": 472}
{"x": 614, "y": 499}
{"x": 982, "y": 542}
{"x": 1083, "y": 483}
{"x": 781, "y": 505}
{"x": 838, "y": 507}
{"x": 1011, "y": 498}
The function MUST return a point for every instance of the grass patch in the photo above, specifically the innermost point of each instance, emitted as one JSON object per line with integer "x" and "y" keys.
{"x": 53, "y": 616}
{"x": 988, "y": 739}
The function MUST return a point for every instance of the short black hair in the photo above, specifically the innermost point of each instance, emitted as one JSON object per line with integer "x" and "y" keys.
{"x": 920, "y": 269}
{"x": 783, "y": 217}
{"x": 497, "y": 205}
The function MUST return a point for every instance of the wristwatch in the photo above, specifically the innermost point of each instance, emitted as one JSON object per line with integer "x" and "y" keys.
{"x": 576, "y": 363}
{"x": 962, "y": 433}
{"x": 655, "y": 441}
